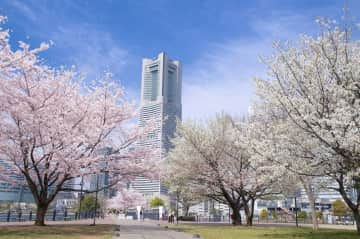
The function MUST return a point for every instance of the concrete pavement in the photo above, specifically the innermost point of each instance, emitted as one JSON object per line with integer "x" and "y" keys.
{"x": 129, "y": 229}
{"x": 147, "y": 230}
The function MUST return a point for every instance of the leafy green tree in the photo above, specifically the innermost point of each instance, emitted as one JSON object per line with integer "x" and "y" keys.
{"x": 302, "y": 215}
{"x": 339, "y": 208}
{"x": 157, "y": 202}
{"x": 319, "y": 214}
{"x": 263, "y": 213}
{"x": 88, "y": 203}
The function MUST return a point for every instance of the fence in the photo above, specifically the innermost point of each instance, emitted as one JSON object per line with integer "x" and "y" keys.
{"x": 152, "y": 214}
{"x": 215, "y": 218}
{"x": 277, "y": 220}
{"x": 308, "y": 220}
{"x": 21, "y": 216}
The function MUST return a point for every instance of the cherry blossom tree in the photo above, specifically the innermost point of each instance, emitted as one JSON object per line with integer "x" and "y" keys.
{"x": 187, "y": 198}
{"x": 264, "y": 179}
{"x": 179, "y": 187}
{"x": 52, "y": 125}
{"x": 289, "y": 152}
{"x": 214, "y": 161}
{"x": 316, "y": 86}
{"x": 125, "y": 199}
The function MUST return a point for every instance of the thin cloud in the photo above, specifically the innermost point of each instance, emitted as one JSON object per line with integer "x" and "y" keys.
{"x": 24, "y": 9}
{"x": 221, "y": 79}
{"x": 92, "y": 51}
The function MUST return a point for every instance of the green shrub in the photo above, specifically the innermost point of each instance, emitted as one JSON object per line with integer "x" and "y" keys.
{"x": 88, "y": 203}
{"x": 302, "y": 215}
{"x": 339, "y": 208}
{"x": 263, "y": 213}
{"x": 187, "y": 218}
{"x": 157, "y": 202}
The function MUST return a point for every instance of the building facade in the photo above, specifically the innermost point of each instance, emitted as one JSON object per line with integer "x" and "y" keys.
{"x": 20, "y": 192}
{"x": 160, "y": 104}
{"x": 14, "y": 193}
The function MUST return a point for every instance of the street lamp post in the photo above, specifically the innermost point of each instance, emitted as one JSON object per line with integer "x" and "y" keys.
{"x": 96, "y": 197}
{"x": 19, "y": 201}
{"x": 296, "y": 214}
{"x": 104, "y": 171}
{"x": 20, "y": 197}
{"x": 81, "y": 195}
{"x": 177, "y": 207}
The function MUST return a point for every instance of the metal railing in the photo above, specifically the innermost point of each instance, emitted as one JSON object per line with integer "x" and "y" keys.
{"x": 308, "y": 220}
{"x": 52, "y": 215}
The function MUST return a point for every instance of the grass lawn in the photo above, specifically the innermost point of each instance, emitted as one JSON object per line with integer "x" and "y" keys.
{"x": 231, "y": 232}
{"x": 57, "y": 232}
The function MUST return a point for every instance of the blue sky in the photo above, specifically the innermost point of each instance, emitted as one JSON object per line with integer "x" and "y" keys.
{"x": 218, "y": 42}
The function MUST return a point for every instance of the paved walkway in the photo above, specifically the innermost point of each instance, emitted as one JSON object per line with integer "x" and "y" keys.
{"x": 147, "y": 230}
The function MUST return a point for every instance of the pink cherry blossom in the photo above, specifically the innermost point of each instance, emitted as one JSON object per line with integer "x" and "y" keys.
{"x": 53, "y": 126}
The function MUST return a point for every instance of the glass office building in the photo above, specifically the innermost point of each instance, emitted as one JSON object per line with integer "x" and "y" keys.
{"x": 14, "y": 193}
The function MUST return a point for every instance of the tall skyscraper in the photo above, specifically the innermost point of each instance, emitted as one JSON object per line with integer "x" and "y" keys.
{"x": 160, "y": 102}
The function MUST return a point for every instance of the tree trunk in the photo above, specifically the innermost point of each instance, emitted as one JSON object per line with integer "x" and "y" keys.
{"x": 249, "y": 220}
{"x": 313, "y": 216}
{"x": 247, "y": 213}
{"x": 248, "y": 204}
{"x": 250, "y": 215}
{"x": 40, "y": 214}
{"x": 353, "y": 206}
{"x": 356, "y": 214}
{"x": 236, "y": 216}
{"x": 307, "y": 183}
